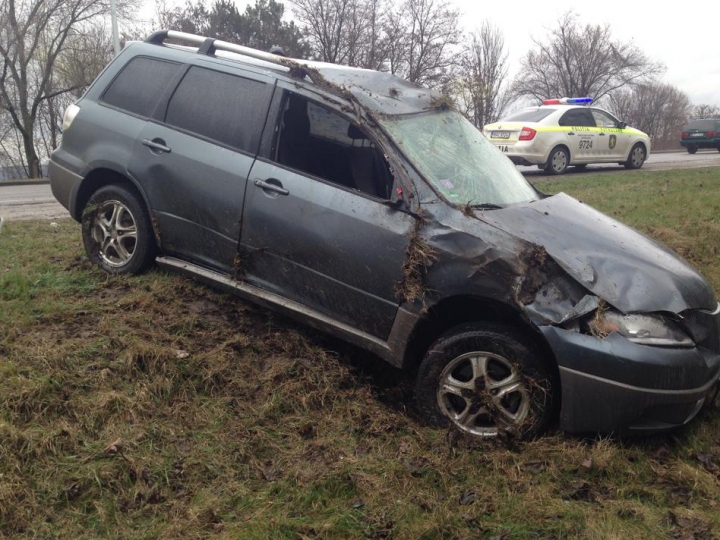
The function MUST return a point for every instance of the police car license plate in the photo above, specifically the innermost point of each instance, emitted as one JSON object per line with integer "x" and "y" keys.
{"x": 500, "y": 135}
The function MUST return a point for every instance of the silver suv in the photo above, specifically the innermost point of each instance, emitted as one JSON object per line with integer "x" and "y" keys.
{"x": 367, "y": 207}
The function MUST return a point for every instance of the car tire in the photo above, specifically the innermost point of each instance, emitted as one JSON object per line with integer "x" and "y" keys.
{"x": 117, "y": 232}
{"x": 637, "y": 157}
{"x": 692, "y": 149}
{"x": 558, "y": 161}
{"x": 484, "y": 380}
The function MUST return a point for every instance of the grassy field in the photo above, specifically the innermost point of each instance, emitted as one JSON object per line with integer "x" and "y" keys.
{"x": 154, "y": 407}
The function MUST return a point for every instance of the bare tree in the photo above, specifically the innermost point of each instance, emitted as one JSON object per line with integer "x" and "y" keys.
{"x": 326, "y": 23}
{"x": 705, "y": 111}
{"x": 33, "y": 35}
{"x": 431, "y": 32}
{"x": 482, "y": 83}
{"x": 414, "y": 40}
{"x": 660, "y": 110}
{"x": 576, "y": 60}
{"x": 366, "y": 45}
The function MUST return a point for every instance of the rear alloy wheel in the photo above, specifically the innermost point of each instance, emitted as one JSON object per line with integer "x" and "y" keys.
{"x": 558, "y": 161}
{"x": 636, "y": 158}
{"x": 117, "y": 232}
{"x": 693, "y": 149}
{"x": 484, "y": 379}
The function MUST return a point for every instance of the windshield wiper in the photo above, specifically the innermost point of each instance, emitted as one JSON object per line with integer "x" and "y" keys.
{"x": 487, "y": 206}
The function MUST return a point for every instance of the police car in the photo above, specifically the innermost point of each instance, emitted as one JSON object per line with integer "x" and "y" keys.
{"x": 565, "y": 132}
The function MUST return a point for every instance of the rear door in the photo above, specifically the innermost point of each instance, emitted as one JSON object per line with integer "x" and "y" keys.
{"x": 581, "y": 134}
{"x": 317, "y": 226}
{"x": 193, "y": 161}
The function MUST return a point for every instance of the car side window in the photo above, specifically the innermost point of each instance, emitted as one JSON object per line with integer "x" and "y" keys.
{"x": 318, "y": 141}
{"x": 140, "y": 84}
{"x": 604, "y": 120}
{"x": 226, "y": 108}
{"x": 577, "y": 118}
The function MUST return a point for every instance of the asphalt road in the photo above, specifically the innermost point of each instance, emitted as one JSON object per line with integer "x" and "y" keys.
{"x": 29, "y": 202}
{"x": 37, "y": 201}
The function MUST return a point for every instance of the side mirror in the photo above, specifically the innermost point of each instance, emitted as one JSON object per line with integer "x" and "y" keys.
{"x": 622, "y": 125}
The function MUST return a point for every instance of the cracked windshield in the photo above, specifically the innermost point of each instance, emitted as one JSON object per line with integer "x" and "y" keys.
{"x": 458, "y": 160}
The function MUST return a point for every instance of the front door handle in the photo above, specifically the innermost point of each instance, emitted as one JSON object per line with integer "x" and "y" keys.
{"x": 157, "y": 145}
{"x": 571, "y": 133}
{"x": 271, "y": 185}
{"x": 602, "y": 134}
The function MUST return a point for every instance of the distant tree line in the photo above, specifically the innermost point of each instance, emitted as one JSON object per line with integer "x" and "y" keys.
{"x": 53, "y": 49}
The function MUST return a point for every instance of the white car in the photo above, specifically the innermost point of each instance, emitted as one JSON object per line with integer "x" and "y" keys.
{"x": 565, "y": 132}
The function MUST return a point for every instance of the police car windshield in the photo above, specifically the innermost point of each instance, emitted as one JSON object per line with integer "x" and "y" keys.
{"x": 533, "y": 114}
{"x": 457, "y": 159}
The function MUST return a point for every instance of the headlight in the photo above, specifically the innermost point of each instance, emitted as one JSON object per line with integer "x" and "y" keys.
{"x": 653, "y": 330}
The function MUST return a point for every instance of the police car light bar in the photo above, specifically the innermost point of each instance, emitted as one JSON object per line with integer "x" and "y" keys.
{"x": 569, "y": 101}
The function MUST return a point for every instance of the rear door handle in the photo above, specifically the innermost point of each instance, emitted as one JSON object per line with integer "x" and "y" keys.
{"x": 158, "y": 145}
{"x": 271, "y": 185}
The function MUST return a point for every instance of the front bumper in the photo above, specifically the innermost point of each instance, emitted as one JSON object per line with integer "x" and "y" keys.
{"x": 613, "y": 385}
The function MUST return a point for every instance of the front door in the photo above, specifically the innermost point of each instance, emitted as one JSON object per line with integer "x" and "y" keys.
{"x": 194, "y": 160}
{"x": 317, "y": 227}
{"x": 613, "y": 142}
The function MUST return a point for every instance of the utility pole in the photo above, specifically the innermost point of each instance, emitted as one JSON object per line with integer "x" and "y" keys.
{"x": 113, "y": 19}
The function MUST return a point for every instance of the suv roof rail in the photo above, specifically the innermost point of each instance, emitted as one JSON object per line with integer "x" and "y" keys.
{"x": 208, "y": 46}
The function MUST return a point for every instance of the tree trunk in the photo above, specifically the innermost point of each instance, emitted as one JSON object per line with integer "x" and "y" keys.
{"x": 31, "y": 157}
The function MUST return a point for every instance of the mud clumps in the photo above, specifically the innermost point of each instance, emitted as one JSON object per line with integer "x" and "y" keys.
{"x": 534, "y": 262}
{"x": 419, "y": 256}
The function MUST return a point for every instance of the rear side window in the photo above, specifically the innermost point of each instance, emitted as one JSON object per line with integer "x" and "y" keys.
{"x": 578, "y": 118}
{"x": 140, "y": 85}
{"x": 534, "y": 114}
{"x": 222, "y": 107}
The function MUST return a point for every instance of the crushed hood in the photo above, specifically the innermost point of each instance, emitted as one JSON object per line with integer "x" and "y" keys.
{"x": 627, "y": 269}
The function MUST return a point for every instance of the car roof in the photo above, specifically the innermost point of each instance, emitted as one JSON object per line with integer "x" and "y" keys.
{"x": 376, "y": 91}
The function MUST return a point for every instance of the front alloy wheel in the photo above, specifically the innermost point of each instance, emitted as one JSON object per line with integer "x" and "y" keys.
{"x": 479, "y": 389}
{"x": 483, "y": 378}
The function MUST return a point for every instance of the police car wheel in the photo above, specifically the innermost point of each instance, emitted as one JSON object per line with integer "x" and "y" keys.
{"x": 558, "y": 161}
{"x": 636, "y": 158}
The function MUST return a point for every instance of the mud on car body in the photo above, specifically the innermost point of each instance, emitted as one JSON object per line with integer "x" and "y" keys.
{"x": 364, "y": 206}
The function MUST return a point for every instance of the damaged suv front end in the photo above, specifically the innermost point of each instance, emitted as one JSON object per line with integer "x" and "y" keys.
{"x": 633, "y": 328}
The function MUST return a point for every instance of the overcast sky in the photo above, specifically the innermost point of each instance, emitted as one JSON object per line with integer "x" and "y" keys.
{"x": 684, "y": 38}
